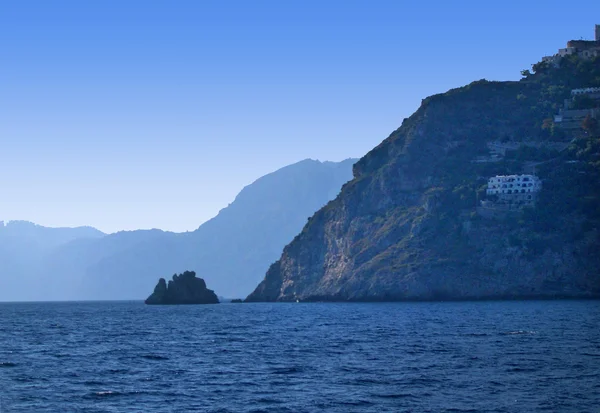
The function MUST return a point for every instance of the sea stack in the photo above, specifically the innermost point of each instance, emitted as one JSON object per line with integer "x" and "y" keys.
{"x": 185, "y": 288}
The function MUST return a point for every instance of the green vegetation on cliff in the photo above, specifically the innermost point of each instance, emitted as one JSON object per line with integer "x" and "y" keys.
{"x": 406, "y": 227}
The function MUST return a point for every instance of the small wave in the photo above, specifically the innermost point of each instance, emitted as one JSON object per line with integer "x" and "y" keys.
{"x": 112, "y": 393}
{"x": 368, "y": 381}
{"x": 154, "y": 357}
{"x": 591, "y": 354}
{"x": 268, "y": 400}
{"x": 24, "y": 379}
{"x": 357, "y": 403}
{"x": 118, "y": 371}
{"x": 247, "y": 383}
{"x": 107, "y": 393}
{"x": 518, "y": 332}
{"x": 521, "y": 370}
{"x": 287, "y": 370}
{"x": 394, "y": 395}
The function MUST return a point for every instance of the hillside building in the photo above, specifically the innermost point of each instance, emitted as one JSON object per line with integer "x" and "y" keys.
{"x": 573, "y": 119}
{"x": 585, "y": 49}
{"x": 593, "y": 92}
{"x": 513, "y": 184}
{"x": 570, "y": 117}
{"x": 512, "y": 191}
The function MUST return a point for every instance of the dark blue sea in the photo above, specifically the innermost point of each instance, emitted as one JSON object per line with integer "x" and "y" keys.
{"x": 536, "y": 356}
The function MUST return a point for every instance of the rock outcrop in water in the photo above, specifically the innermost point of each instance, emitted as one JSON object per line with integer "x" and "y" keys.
{"x": 407, "y": 227}
{"x": 185, "y": 288}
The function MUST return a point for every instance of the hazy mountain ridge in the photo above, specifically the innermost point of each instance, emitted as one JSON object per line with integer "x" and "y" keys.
{"x": 44, "y": 237}
{"x": 24, "y": 249}
{"x": 230, "y": 251}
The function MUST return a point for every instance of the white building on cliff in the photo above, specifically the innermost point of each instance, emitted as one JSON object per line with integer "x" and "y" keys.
{"x": 512, "y": 191}
{"x": 513, "y": 184}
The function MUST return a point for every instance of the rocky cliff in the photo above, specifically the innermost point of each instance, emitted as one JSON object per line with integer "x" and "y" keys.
{"x": 406, "y": 227}
{"x": 185, "y": 288}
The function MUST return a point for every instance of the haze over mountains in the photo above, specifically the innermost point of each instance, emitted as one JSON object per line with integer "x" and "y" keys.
{"x": 231, "y": 252}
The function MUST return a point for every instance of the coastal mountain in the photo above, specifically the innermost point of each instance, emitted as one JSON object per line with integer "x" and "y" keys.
{"x": 411, "y": 224}
{"x": 232, "y": 251}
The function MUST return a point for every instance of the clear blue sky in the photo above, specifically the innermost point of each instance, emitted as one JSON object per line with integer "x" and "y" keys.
{"x": 154, "y": 114}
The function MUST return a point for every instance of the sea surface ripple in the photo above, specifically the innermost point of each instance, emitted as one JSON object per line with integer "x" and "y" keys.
{"x": 535, "y": 356}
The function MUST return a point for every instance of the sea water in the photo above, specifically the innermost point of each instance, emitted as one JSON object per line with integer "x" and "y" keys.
{"x": 531, "y": 356}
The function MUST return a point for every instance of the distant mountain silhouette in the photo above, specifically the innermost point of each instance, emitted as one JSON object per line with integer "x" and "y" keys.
{"x": 231, "y": 252}
{"x": 24, "y": 247}
{"x": 28, "y": 233}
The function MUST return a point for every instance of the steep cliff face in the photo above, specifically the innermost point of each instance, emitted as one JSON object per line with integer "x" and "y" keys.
{"x": 405, "y": 228}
